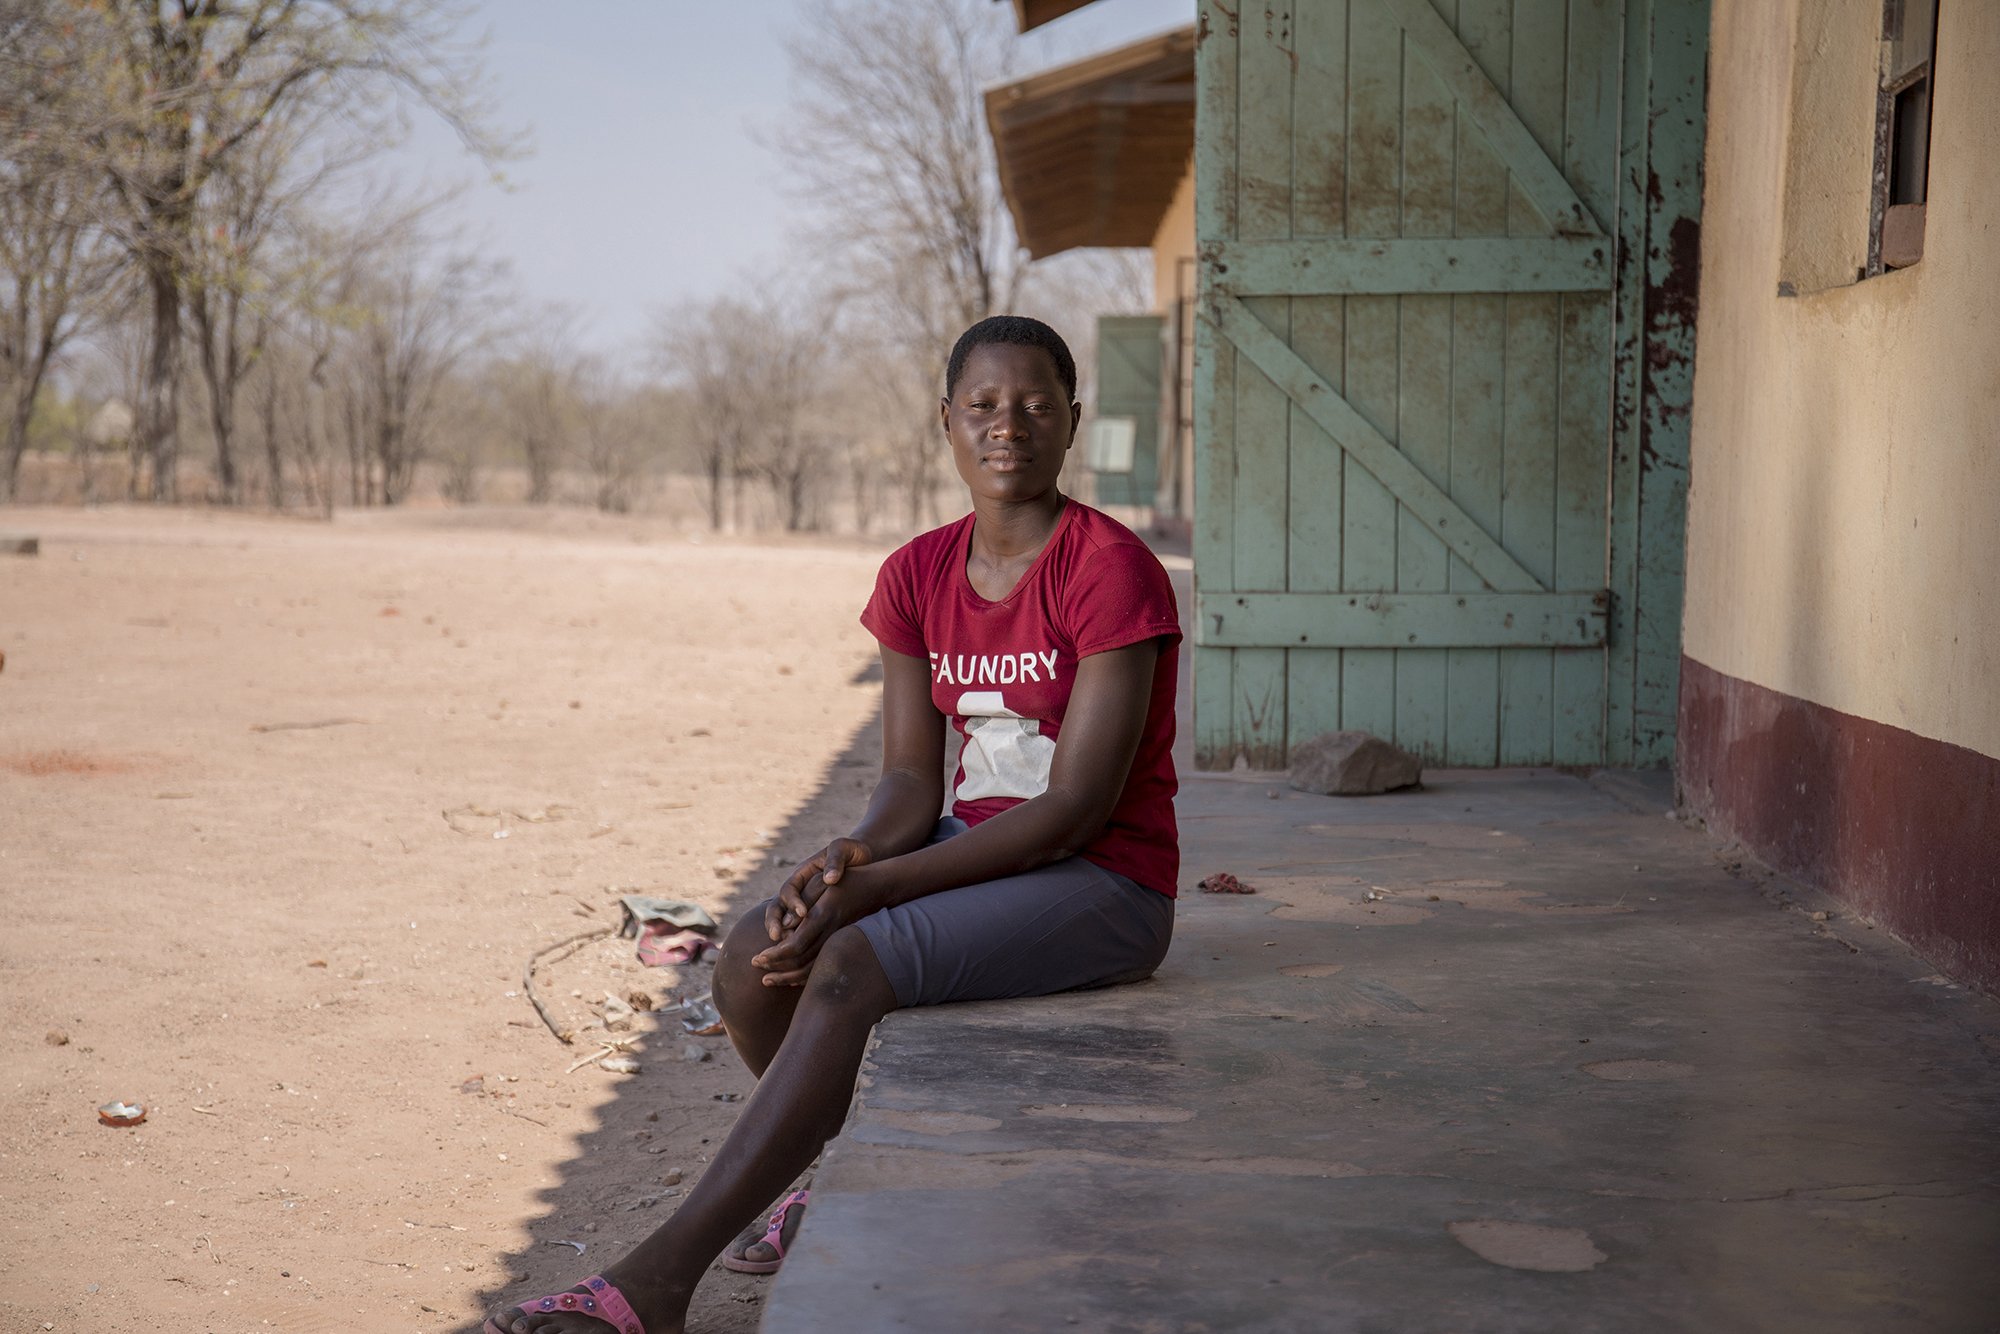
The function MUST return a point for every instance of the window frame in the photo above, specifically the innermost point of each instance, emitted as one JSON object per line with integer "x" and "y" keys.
{"x": 1896, "y": 227}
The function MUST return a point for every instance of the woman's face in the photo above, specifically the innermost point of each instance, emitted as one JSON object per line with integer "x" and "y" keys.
{"x": 1010, "y": 422}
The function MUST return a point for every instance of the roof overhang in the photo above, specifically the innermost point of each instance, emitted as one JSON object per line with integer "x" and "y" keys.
{"x": 1034, "y": 13}
{"x": 1090, "y": 153}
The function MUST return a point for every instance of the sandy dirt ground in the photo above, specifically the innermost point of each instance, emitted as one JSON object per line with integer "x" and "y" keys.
{"x": 227, "y": 746}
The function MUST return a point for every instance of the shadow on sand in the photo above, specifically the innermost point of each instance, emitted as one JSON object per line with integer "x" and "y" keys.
{"x": 613, "y": 1188}
{"x": 610, "y": 1171}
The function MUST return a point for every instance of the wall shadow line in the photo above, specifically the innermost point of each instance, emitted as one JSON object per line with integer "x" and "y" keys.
{"x": 592, "y": 1187}
{"x": 611, "y": 1170}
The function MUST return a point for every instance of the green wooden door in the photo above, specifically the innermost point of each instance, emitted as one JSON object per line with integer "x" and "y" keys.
{"x": 1129, "y": 359}
{"x": 1422, "y": 247}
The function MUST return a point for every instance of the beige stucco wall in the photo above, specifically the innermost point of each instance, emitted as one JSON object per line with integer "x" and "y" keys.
{"x": 1173, "y": 242}
{"x": 1844, "y": 512}
{"x": 1828, "y": 169}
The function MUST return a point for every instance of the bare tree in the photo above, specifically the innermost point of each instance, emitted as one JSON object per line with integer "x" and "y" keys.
{"x": 240, "y": 212}
{"x": 296, "y": 408}
{"x": 538, "y": 387}
{"x": 182, "y": 90}
{"x": 466, "y": 421}
{"x": 783, "y": 356}
{"x": 616, "y": 440}
{"x": 297, "y": 374}
{"x": 357, "y": 332}
{"x": 54, "y": 256}
{"x": 704, "y": 349}
{"x": 888, "y": 120}
{"x": 419, "y": 326}
{"x": 246, "y": 262}
{"x": 271, "y": 383}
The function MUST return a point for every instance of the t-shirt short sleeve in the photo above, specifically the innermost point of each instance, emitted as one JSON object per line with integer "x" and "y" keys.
{"x": 1120, "y": 596}
{"x": 894, "y": 614}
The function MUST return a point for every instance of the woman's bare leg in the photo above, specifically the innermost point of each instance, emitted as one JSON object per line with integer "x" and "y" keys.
{"x": 798, "y": 1106}
{"x": 755, "y": 1016}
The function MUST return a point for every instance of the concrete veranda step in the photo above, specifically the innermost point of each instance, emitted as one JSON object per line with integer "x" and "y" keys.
{"x": 1566, "y": 1071}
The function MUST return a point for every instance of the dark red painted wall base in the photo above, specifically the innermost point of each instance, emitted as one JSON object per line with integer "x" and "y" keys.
{"x": 1903, "y": 829}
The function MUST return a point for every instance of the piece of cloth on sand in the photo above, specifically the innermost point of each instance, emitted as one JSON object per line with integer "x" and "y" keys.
{"x": 643, "y": 909}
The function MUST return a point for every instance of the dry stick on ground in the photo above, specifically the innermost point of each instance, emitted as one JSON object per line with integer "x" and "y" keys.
{"x": 528, "y": 974}
{"x": 605, "y": 1047}
{"x": 305, "y": 727}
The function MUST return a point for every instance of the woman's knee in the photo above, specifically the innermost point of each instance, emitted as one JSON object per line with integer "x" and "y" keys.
{"x": 735, "y": 976}
{"x": 848, "y": 971}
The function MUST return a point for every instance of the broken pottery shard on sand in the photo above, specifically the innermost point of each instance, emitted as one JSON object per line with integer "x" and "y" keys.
{"x": 1352, "y": 764}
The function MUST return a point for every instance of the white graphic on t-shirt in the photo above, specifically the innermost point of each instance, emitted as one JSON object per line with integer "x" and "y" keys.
{"x": 1005, "y": 754}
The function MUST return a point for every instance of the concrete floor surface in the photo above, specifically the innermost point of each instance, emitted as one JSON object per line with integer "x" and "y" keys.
{"x": 1511, "y": 1052}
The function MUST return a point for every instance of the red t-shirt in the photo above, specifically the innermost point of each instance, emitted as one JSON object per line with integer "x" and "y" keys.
{"x": 1002, "y": 671}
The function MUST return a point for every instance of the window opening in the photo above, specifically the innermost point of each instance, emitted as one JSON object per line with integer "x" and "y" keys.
{"x": 1112, "y": 444}
{"x": 1903, "y": 134}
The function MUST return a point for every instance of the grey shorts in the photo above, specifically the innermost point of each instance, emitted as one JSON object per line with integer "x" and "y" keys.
{"x": 1062, "y": 926}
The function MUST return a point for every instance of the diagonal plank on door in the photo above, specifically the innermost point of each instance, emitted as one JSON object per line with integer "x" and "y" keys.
{"x": 1424, "y": 498}
{"x": 1545, "y": 184}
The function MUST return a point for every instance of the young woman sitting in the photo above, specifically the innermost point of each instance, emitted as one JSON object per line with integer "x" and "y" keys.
{"x": 1045, "y": 633}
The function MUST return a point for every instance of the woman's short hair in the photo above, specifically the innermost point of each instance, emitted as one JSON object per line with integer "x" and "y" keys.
{"x": 1018, "y": 330}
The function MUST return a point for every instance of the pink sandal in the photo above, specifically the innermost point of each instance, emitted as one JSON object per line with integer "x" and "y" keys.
{"x": 603, "y": 1302}
{"x": 774, "y": 1237}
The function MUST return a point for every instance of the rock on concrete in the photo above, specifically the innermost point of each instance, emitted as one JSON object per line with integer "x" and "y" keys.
{"x": 1352, "y": 764}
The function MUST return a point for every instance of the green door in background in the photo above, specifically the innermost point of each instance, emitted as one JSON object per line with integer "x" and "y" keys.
{"x": 1448, "y": 258}
{"x": 1129, "y": 361}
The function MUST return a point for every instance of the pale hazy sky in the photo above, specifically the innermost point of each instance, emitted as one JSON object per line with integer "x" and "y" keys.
{"x": 647, "y": 183}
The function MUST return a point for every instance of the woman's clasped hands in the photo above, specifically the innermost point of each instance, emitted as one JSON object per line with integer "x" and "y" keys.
{"x": 819, "y": 897}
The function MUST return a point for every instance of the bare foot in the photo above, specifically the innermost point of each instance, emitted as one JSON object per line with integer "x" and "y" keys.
{"x": 752, "y": 1247}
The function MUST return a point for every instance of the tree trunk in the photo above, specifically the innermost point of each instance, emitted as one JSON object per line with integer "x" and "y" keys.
{"x": 383, "y": 454}
{"x": 219, "y": 372}
{"x": 541, "y": 469}
{"x": 715, "y": 492}
{"x": 273, "y": 457}
{"x": 28, "y": 372}
{"x": 17, "y": 436}
{"x": 795, "y": 501}
{"x": 359, "y": 493}
{"x": 222, "y": 422}
{"x": 86, "y": 454}
{"x": 388, "y": 440}
{"x": 157, "y": 432}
